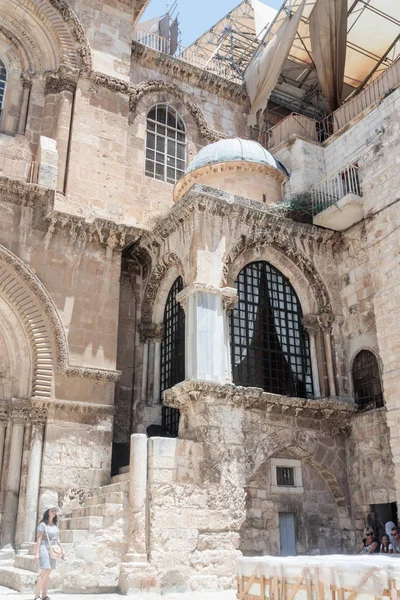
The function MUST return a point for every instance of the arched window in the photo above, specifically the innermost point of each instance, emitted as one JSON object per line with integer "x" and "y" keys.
{"x": 3, "y": 80}
{"x": 270, "y": 347}
{"x": 165, "y": 144}
{"x": 172, "y": 354}
{"x": 367, "y": 381}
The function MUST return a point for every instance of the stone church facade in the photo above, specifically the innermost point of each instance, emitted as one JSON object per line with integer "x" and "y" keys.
{"x": 147, "y": 268}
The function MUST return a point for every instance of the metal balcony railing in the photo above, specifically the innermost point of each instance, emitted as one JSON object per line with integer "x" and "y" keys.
{"x": 192, "y": 57}
{"x": 334, "y": 187}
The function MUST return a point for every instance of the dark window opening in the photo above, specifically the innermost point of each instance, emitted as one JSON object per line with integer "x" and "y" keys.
{"x": 367, "y": 381}
{"x": 3, "y": 80}
{"x": 270, "y": 347}
{"x": 172, "y": 355}
{"x": 285, "y": 476}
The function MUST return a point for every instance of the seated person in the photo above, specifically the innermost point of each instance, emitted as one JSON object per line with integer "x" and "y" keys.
{"x": 371, "y": 543}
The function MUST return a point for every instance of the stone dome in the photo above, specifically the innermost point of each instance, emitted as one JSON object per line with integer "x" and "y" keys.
{"x": 233, "y": 150}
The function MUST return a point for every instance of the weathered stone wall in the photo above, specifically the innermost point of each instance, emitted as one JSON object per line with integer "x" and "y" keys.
{"x": 193, "y": 523}
{"x": 369, "y": 465}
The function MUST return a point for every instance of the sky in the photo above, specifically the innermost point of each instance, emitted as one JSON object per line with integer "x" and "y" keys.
{"x": 196, "y": 16}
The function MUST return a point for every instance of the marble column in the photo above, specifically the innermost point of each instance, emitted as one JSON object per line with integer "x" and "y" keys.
{"x": 50, "y": 100}
{"x": 207, "y": 338}
{"x": 26, "y": 91}
{"x": 3, "y": 429}
{"x": 65, "y": 87}
{"x": 145, "y": 370}
{"x": 137, "y": 535}
{"x": 19, "y": 414}
{"x": 311, "y": 324}
{"x": 38, "y": 419}
{"x": 156, "y": 372}
{"x": 326, "y": 321}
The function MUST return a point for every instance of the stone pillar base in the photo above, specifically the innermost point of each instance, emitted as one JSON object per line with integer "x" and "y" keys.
{"x": 136, "y": 578}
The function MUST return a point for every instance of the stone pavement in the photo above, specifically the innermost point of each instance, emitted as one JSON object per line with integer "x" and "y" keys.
{"x": 7, "y": 594}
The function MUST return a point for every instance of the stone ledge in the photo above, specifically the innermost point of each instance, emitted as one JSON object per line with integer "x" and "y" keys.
{"x": 187, "y": 392}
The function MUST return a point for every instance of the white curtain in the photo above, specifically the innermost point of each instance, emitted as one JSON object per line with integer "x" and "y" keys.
{"x": 265, "y": 67}
{"x": 328, "y": 33}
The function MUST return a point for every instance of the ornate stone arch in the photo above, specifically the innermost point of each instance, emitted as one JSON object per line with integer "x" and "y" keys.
{"x": 137, "y": 92}
{"x": 168, "y": 268}
{"x": 38, "y": 316}
{"x": 49, "y": 35}
{"x": 289, "y": 259}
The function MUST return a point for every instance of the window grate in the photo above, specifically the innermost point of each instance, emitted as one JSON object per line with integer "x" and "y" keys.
{"x": 285, "y": 476}
{"x": 3, "y": 79}
{"x": 165, "y": 144}
{"x": 367, "y": 381}
{"x": 172, "y": 354}
{"x": 270, "y": 348}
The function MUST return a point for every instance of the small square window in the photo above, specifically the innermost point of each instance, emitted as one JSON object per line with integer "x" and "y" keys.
{"x": 285, "y": 476}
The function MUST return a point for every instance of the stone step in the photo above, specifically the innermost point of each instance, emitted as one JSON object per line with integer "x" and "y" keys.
{"x": 94, "y": 500}
{"x": 74, "y": 536}
{"x": 17, "y": 579}
{"x": 27, "y": 562}
{"x": 120, "y": 478}
{"x": 121, "y": 486}
{"x": 123, "y": 470}
{"x": 89, "y": 523}
{"x": 99, "y": 510}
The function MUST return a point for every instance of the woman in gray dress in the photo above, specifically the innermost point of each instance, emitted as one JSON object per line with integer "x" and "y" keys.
{"x": 47, "y": 531}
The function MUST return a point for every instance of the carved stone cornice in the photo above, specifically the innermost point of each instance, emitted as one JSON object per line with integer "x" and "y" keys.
{"x": 38, "y": 415}
{"x": 184, "y": 394}
{"x": 14, "y": 191}
{"x": 153, "y": 332}
{"x": 101, "y": 375}
{"x": 73, "y": 406}
{"x": 111, "y": 83}
{"x": 183, "y": 71}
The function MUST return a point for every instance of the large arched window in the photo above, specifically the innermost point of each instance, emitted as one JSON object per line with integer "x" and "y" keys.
{"x": 270, "y": 348}
{"x": 3, "y": 80}
{"x": 172, "y": 354}
{"x": 367, "y": 381}
{"x": 165, "y": 144}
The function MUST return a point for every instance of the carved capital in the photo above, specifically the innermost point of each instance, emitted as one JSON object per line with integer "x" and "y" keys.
{"x": 20, "y": 411}
{"x": 51, "y": 85}
{"x": 38, "y": 415}
{"x": 311, "y": 324}
{"x": 326, "y": 320}
{"x": 26, "y": 79}
{"x": 4, "y": 412}
{"x": 151, "y": 332}
{"x": 64, "y": 80}
{"x": 229, "y": 298}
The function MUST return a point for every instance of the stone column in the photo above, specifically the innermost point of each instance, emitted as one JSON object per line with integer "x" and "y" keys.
{"x": 4, "y": 416}
{"x": 326, "y": 321}
{"x": 311, "y": 324}
{"x": 26, "y": 91}
{"x": 207, "y": 355}
{"x": 19, "y": 414}
{"x": 157, "y": 370}
{"x": 66, "y": 90}
{"x": 38, "y": 419}
{"x": 136, "y": 574}
{"x": 50, "y": 99}
{"x": 151, "y": 335}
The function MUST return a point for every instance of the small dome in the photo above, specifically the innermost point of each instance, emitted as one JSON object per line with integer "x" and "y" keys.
{"x": 233, "y": 150}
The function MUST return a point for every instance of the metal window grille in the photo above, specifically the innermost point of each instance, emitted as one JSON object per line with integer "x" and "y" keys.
{"x": 3, "y": 80}
{"x": 367, "y": 381}
{"x": 270, "y": 347}
{"x": 172, "y": 354}
{"x": 165, "y": 144}
{"x": 285, "y": 476}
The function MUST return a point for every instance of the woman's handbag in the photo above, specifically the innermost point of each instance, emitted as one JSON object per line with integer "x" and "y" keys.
{"x": 54, "y": 549}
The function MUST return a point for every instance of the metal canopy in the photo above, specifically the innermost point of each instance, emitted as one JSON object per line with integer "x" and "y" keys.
{"x": 373, "y": 44}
